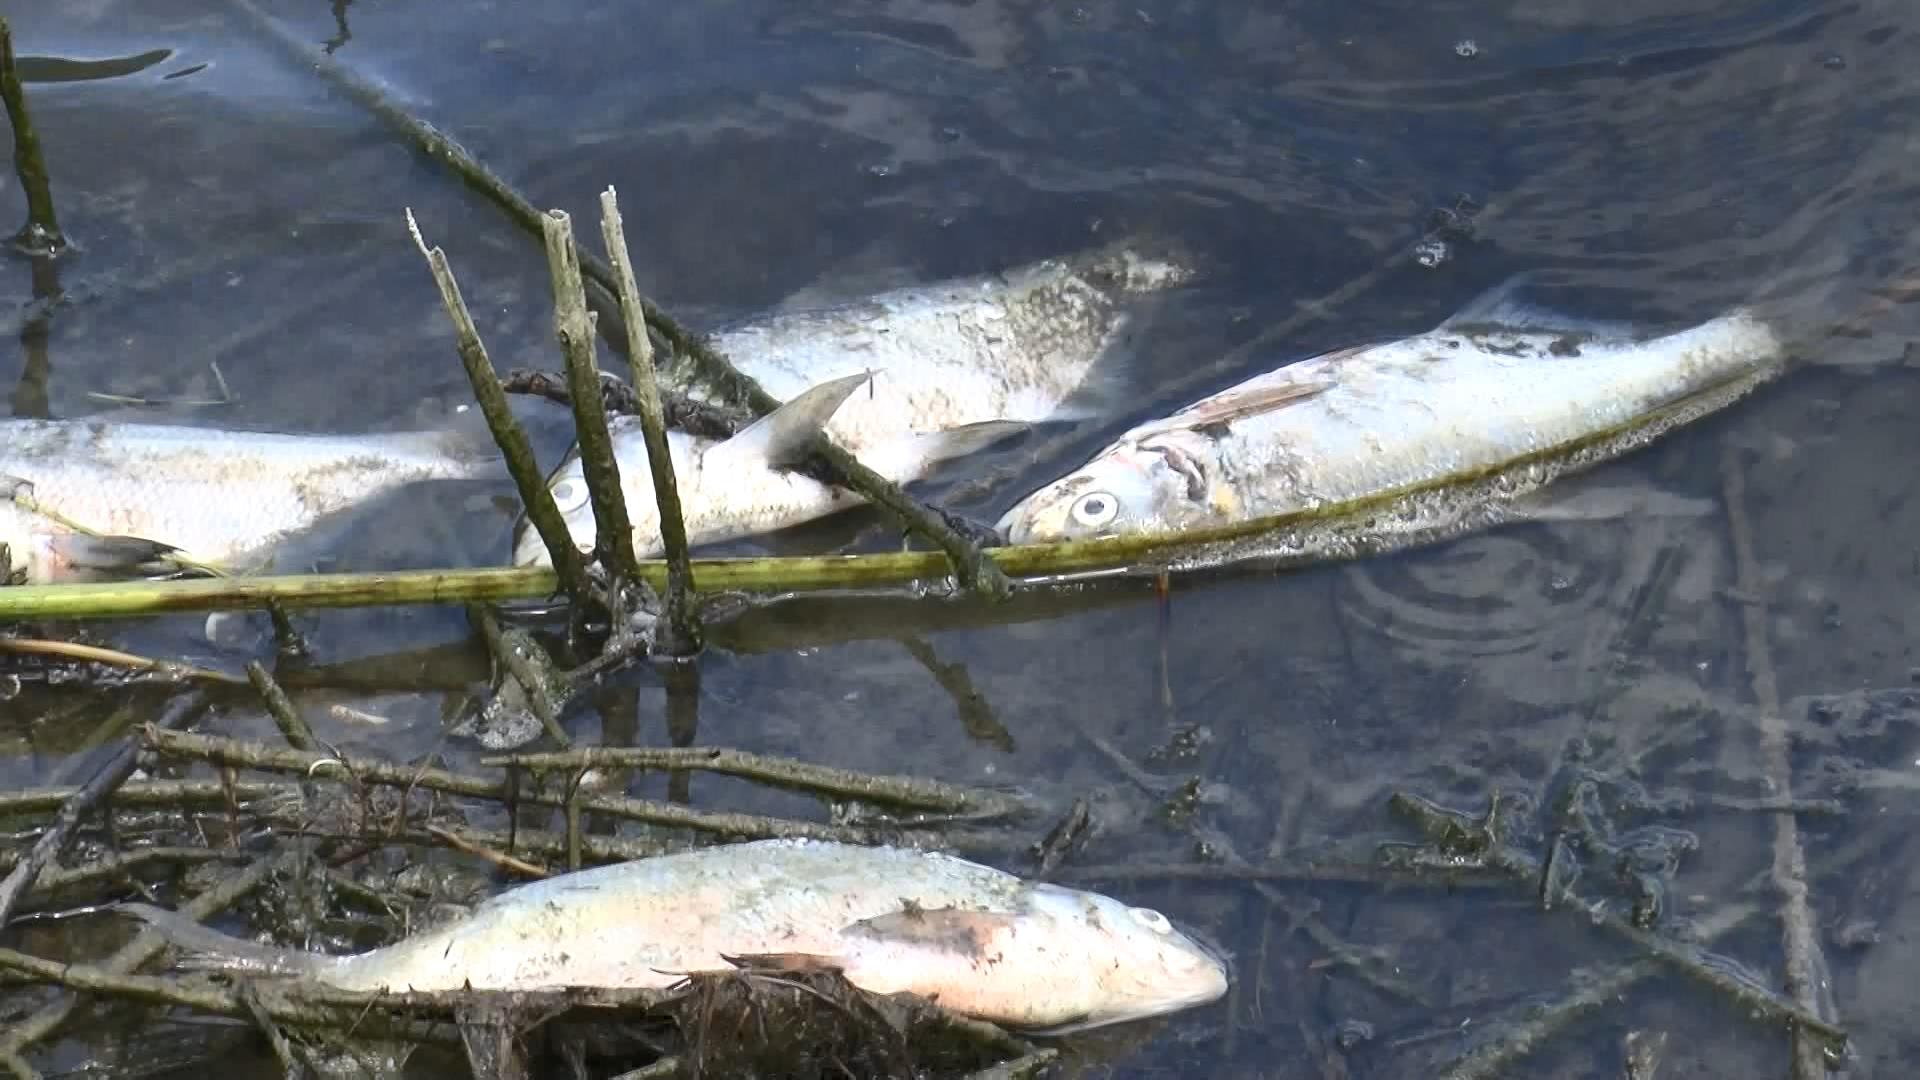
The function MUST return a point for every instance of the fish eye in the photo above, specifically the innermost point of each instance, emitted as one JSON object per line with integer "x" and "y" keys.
{"x": 1095, "y": 508}
{"x": 569, "y": 495}
{"x": 1152, "y": 919}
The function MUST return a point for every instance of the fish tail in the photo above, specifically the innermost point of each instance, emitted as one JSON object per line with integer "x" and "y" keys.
{"x": 211, "y": 950}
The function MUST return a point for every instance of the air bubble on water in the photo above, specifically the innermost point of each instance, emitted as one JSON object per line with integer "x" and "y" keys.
{"x": 1467, "y": 48}
{"x": 1431, "y": 253}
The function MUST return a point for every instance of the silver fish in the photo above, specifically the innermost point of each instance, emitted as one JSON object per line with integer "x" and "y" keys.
{"x": 739, "y": 486}
{"x": 1490, "y": 405}
{"x": 221, "y": 497}
{"x": 982, "y": 942}
{"x": 941, "y": 364}
{"x": 1009, "y": 346}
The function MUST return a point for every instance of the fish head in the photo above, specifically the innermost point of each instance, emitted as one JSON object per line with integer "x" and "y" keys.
{"x": 1156, "y": 484}
{"x": 1135, "y": 962}
{"x": 568, "y": 486}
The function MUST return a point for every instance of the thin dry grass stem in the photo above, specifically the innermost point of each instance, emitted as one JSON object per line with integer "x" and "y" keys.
{"x": 493, "y": 855}
{"x": 95, "y": 654}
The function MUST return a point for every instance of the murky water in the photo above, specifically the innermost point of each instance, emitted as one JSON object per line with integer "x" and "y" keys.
{"x": 1660, "y": 160}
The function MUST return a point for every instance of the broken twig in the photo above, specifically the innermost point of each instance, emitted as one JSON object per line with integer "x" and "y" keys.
{"x": 682, "y": 620}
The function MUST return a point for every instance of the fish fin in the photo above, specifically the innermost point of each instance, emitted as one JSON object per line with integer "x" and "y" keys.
{"x": 1250, "y": 400}
{"x": 1065, "y": 1027}
{"x": 790, "y": 963}
{"x": 957, "y": 442}
{"x": 784, "y": 435}
{"x": 1502, "y": 307}
{"x": 1590, "y": 502}
{"x": 955, "y": 930}
{"x": 211, "y": 950}
{"x": 108, "y": 557}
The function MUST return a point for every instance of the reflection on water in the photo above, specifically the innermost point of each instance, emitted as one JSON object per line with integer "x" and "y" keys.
{"x": 1660, "y": 160}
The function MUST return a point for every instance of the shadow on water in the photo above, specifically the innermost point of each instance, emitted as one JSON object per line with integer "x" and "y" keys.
{"x": 1660, "y": 161}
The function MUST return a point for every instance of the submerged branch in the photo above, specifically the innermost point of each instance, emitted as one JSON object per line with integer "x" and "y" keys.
{"x": 298, "y": 733}
{"x": 110, "y": 775}
{"x": 142, "y": 948}
{"x": 1498, "y": 1057}
{"x": 906, "y": 791}
{"x": 375, "y": 771}
{"x": 1484, "y": 848}
{"x": 1789, "y": 871}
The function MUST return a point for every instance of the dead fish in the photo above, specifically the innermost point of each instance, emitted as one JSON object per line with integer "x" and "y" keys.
{"x": 1500, "y": 390}
{"x": 980, "y": 941}
{"x": 154, "y": 491}
{"x": 1008, "y": 346}
{"x": 941, "y": 371}
{"x": 740, "y": 486}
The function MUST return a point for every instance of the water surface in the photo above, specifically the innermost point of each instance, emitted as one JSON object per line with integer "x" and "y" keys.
{"x": 1655, "y": 161}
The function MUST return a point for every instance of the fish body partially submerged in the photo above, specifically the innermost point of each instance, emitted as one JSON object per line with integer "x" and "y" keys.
{"x": 1007, "y": 346}
{"x": 742, "y": 486}
{"x": 220, "y": 497}
{"x": 903, "y": 381}
{"x": 977, "y": 940}
{"x": 1495, "y": 386}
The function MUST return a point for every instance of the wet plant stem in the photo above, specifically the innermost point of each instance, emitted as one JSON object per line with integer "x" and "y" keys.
{"x": 279, "y": 706}
{"x": 512, "y": 441}
{"x": 41, "y": 234}
{"x": 373, "y": 771}
{"x": 682, "y": 620}
{"x": 904, "y": 791}
{"x": 571, "y": 324}
{"x": 143, "y": 947}
{"x": 527, "y": 664}
{"x": 311, "y": 1004}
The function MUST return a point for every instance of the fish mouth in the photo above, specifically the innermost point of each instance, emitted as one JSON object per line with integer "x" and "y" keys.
{"x": 1218, "y": 954}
